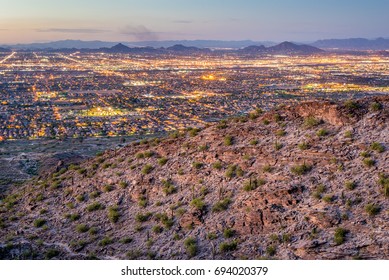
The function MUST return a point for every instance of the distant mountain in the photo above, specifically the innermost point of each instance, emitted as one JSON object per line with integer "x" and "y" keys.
{"x": 182, "y": 48}
{"x": 283, "y": 48}
{"x": 291, "y": 48}
{"x": 353, "y": 44}
{"x": 63, "y": 44}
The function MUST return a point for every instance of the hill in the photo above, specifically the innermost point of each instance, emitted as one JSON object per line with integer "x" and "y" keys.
{"x": 302, "y": 182}
{"x": 353, "y": 44}
{"x": 283, "y": 48}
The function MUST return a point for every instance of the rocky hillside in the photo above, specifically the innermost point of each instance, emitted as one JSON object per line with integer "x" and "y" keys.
{"x": 305, "y": 182}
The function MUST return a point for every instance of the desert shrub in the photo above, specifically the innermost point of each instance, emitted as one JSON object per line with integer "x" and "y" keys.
{"x": 372, "y": 209}
{"x": 228, "y": 233}
{"x": 126, "y": 240}
{"x": 74, "y": 217}
{"x": 39, "y": 223}
{"x": 320, "y": 189}
{"x": 383, "y": 180}
{"x": 368, "y": 162}
{"x": 217, "y": 165}
{"x": 278, "y": 146}
{"x": 254, "y": 142}
{"x": 168, "y": 187}
{"x": 80, "y": 197}
{"x": 108, "y": 188}
{"x": 328, "y": 198}
{"x": 303, "y": 146}
{"x": 234, "y": 170}
{"x": 147, "y": 169}
{"x": 140, "y": 155}
{"x": 365, "y": 154}
{"x": 351, "y": 104}
{"x": 378, "y": 147}
{"x": 113, "y": 214}
{"x": 286, "y": 238}
{"x": 228, "y": 246}
{"x": 375, "y": 106}
{"x": 94, "y": 194}
{"x": 280, "y": 132}
{"x": 211, "y": 236}
{"x": 143, "y": 217}
{"x": 198, "y": 203}
{"x": 228, "y": 140}
{"x": 252, "y": 184}
{"x": 93, "y": 231}
{"x": 94, "y": 207}
{"x": 193, "y": 131}
{"x": 82, "y": 228}
{"x": 157, "y": 229}
{"x": 350, "y": 185}
{"x": 197, "y": 165}
{"x": 340, "y": 235}
{"x": 301, "y": 169}
{"x": 106, "y": 241}
{"x": 162, "y": 161}
{"x": 271, "y": 250}
{"x": 148, "y": 154}
{"x": 322, "y": 132}
{"x": 267, "y": 168}
{"x": 311, "y": 121}
{"x": 191, "y": 246}
{"x": 221, "y": 205}
{"x": 222, "y": 124}
{"x": 51, "y": 253}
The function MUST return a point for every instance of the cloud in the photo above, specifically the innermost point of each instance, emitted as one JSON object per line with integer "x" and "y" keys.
{"x": 182, "y": 21}
{"x": 72, "y": 30}
{"x": 140, "y": 32}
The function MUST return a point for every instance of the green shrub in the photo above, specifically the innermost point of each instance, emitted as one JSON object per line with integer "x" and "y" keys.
{"x": 322, "y": 132}
{"x": 303, "y": 146}
{"x": 108, "y": 188}
{"x": 222, "y": 124}
{"x": 168, "y": 187}
{"x": 310, "y": 122}
{"x": 228, "y": 233}
{"x": 286, "y": 238}
{"x": 252, "y": 184}
{"x": 162, "y": 161}
{"x": 197, "y": 165}
{"x": 340, "y": 235}
{"x": 378, "y": 147}
{"x": 372, "y": 209}
{"x": 93, "y": 231}
{"x": 350, "y": 185}
{"x": 211, "y": 236}
{"x": 365, "y": 154}
{"x": 278, "y": 146}
{"x": 383, "y": 180}
{"x": 328, "y": 198}
{"x": 375, "y": 106}
{"x": 320, "y": 189}
{"x": 94, "y": 194}
{"x": 254, "y": 142}
{"x": 140, "y": 155}
{"x": 228, "y": 140}
{"x": 141, "y": 218}
{"x": 348, "y": 134}
{"x": 148, "y": 154}
{"x": 280, "y": 132}
{"x": 74, "y": 217}
{"x": 51, "y": 253}
{"x": 221, "y": 205}
{"x": 80, "y": 197}
{"x": 234, "y": 170}
{"x": 228, "y": 246}
{"x": 113, "y": 214}
{"x": 271, "y": 250}
{"x": 157, "y": 229}
{"x": 94, "y": 207}
{"x": 267, "y": 168}
{"x": 301, "y": 169}
{"x": 191, "y": 246}
{"x": 147, "y": 169}
{"x": 217, "y": 165}
{"x": 368, "y": 162}
{"x": 126, "y": 240}
{"x": 82, "y": 228}
{"x": 198, "y": 203}
{"x": 351, "y": 104}
{"x": 39, "y": 223}
{"x": 106, "y": 241}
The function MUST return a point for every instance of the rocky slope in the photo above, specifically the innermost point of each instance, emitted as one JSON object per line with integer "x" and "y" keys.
{"x": 305, "y": 182}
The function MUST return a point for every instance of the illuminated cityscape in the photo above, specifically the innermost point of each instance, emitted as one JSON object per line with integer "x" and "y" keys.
{"x": 57, "y": 95}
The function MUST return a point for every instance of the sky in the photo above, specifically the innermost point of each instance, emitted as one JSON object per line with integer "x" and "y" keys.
{"x": 26, "y": 21}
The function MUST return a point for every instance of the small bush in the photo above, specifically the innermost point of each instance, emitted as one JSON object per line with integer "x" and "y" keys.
{"x": 94, "y": 207}
{"x": 368, "y": 162}
{"x": 286, "y": 238}
{"x": 228, "y": 246}
{"x": 51, "y": 253}
{"x": 197, "y": 165}
{"x": 82, "y": 228}
{"x": 93, "y": 231}
{"x": 221, "y": 205}
{"x": 162, "y": 161}
{"x": 310, "y": 122}
{"x": 254, "y": 142}
{"x": 106, "y": 241}
{"x": 234, "y": 170}
{"x": 365, "y": 154}
{"x": 375, "y": 106}
{"x": 303, "y": 146}
{"x": 228, "y": 233}
{"x": 198, "y": 203}
{"x": 328, "y": 198}
{"x": 217, "y": 165}
{"x": 222, "y": 124}
{"x": 39, "y": 223}
{"x": 350, "y": 185}
{"x": 228, "y": 140}
{"x": 148, "y": 154}
{"x": 322, "y": 132}
{"x": 211, "y": 236}
{"x": 168, "y": 187}
{"x": 113, "y": 214}
{"x": 351, "y": 104}
{"x": 147, "y": 169}
{"x": 94, "y": 194}
{"x": 278, "y": 146}
{"x": 301, "y": 169}
{"x": 340, "y": 235}
{"x": 108, "y": 188}
{"x": 271, "y": 250}
{"x": 372, "y": 209}
{"x": 378, "y": 147}
{"x": 74, "y": 217}
{"x": 126, "y": 240}
{"x": 157, "y": 229}
{"x": 140, "y": 155}
{"x": 123, "y": 184}
{"x": 280, "y": 132}
{"x": 143, "y": 217}
{"x": 191, "y": 246}
{"x": 267, "y": 168}
{"x": 383, "y": 180}
{"x": 250, "y": 185}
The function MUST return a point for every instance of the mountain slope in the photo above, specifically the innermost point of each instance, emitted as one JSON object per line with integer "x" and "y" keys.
{"x": 302, "y": 182}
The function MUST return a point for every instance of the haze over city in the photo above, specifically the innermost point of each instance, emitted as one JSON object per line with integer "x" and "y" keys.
{"x": 24, "y": 21}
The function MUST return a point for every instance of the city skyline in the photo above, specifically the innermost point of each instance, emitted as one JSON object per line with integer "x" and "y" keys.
{"x": 24, "y": 22}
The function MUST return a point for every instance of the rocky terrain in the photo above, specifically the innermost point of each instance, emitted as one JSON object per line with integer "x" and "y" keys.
{"x": 302, "y": 182}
